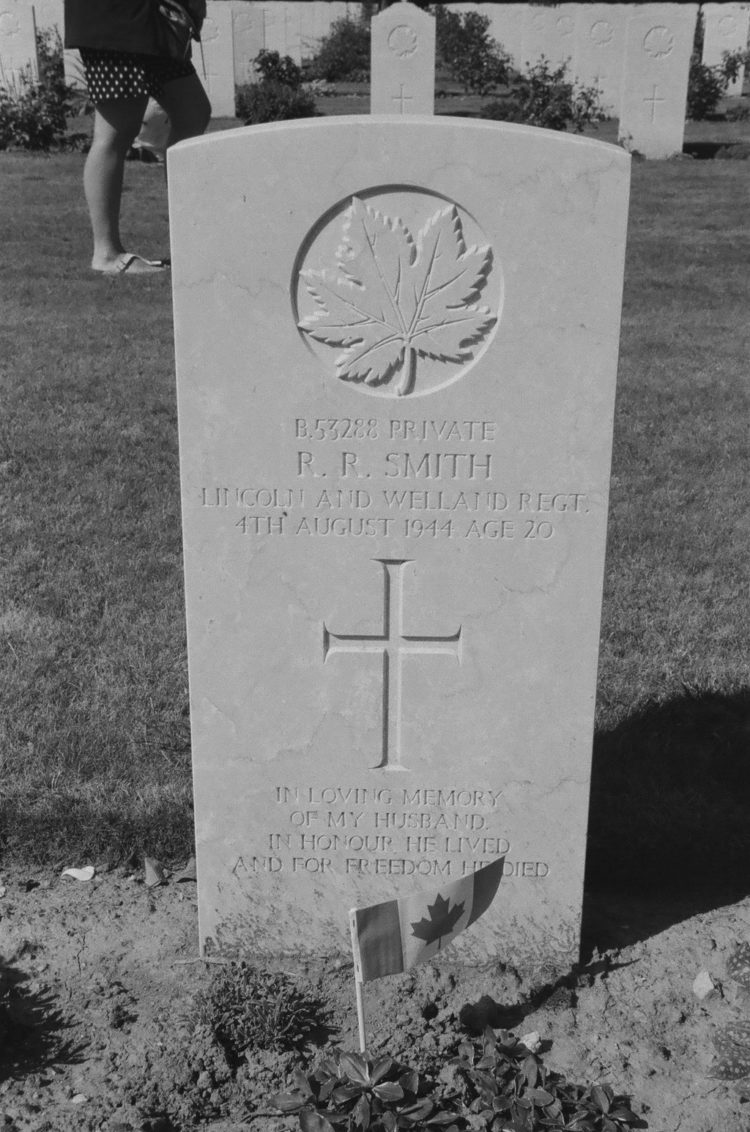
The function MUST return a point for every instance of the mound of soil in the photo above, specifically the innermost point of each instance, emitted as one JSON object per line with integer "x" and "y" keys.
{"x": 100, "y": 1027}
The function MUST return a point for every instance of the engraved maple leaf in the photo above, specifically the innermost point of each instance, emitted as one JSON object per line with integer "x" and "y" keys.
{"x": 392, "y": 298}
{"x": 442, "y": 921}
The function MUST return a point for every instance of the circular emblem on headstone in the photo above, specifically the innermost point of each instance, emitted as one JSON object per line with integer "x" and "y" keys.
{"x": 402, "y": 41}
{"x": 658, "y": 42}
{"x": 9, "y": 24}
{"x": 565, "y": 25}
{"x": 727, "y": 25}
{"x": 397, "y": 291}
{"x": 601, "y": 32}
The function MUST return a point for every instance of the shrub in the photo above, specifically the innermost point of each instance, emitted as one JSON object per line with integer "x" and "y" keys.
{"x": 273, "y": 68}
{"x": 351, "y": 1091}
{"x": 278, "y": 96}
{"x": 33, "y": 114}
{"x": 249, "y": 1008}
{"x": 344, "y": 53}
{"x": 509, "y": 1086}
{"x": 466, "y": 48}
{"x": 546, "y": 97}
{"x": 272, "y": 102}
{"x": 708, "y": 85}
{"x": 706, "y": 88}
{"x": 499, "y": 1084}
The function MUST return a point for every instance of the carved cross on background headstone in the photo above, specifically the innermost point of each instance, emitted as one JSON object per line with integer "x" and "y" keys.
{"x": 392, "y": 645}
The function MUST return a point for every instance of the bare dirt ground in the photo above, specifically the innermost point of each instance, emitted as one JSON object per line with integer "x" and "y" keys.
{"x": 99, "y": 1028}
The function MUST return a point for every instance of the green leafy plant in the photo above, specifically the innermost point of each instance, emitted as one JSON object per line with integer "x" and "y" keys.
{"x": 466, "y": 48}
{"x": 545, "y": 96}
{"x": 343, "y": 54}
{"x": 511, "y": 1090}
{"x": 706, "y": 88}
{"x": 272, "y": 102}
{"x": 278, "y": 96}
{"x": 707, "y": 85}
{"x": 249, "y": 1008}
{"x": 353, "y": 1092}
{"x": 33, "y": 111}
{"x": 275, "y": 68}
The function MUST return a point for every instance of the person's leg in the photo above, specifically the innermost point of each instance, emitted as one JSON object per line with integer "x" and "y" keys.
{"x": 116, "y": 124}
{"x": 187, "y": 107}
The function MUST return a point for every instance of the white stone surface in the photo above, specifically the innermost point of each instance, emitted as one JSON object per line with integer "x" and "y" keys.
{"x": 507, "y": 24}
{"x": 725, "y": 29}
{"x": 275, "y": 27}
{"x": 600, "y": 48}
{"x": 393, "y": 601}
{"x": 247, "y": 33}
{"x": 308, "y": 37}
{"x": 402, "y": 61}
{"x": 49, "y": 14}
{"x": 17, "y": 42}
{"x": 551, "y": 32}
{"x": 214, "y": 58}
{"x": 658, "y": 45}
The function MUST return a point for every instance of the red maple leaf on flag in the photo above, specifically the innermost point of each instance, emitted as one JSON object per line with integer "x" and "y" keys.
{"x": 442, "y": 921}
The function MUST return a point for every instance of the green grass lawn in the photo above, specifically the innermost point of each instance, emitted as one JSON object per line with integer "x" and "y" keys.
{"x": 94, "y": 722}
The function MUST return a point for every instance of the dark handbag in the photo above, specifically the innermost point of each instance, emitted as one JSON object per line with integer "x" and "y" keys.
{"x": 175, "y": 28}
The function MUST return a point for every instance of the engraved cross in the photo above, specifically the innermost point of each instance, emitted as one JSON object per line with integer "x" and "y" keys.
{"x": 653, "y": 100}
{"x": 392, "y": 645}
{"x": 401, "y": 98}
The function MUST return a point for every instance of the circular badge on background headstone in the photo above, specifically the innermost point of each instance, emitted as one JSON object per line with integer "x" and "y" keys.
{"x": 601, "y": 32}
{"x": 397, "y": 291}
{"x": 403, "y": 41}
{"x": 658, "y": 42}
{"x": 9, "y": 24}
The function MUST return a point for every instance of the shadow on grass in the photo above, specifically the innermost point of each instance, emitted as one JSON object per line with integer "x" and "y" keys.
{"x": 668, "y": 834}
{"x": 32, "y": 1028}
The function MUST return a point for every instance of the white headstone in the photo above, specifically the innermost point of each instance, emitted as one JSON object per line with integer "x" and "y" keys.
{"x": 538, "y": 34}
{"x": 49, "y": 14}
{"x": 308, "y": 30}
{"x": 17, "y": 43}
{"x": 247, "y": 34}
{"x": 396, "y": 347}
{"x": 275, "y": 31}
{"x": 402, "y": 61}
{"x": 600, "y": 48}
{"x": 658, "y": 45}
{"x": 507, "y": 24}
{"x": 214, "y": 58}
{"x": 564, "y": 36}
{"x": 725, "y": 28}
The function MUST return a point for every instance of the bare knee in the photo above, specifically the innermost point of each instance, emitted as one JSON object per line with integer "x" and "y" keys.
{"x": 188, "y": 107}
{"x": 116, "y": 125}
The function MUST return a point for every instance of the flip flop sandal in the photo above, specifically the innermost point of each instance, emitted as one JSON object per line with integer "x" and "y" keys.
{"x": 130, "y": 264}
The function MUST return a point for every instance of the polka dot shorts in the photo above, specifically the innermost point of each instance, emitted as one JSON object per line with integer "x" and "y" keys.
{"x": 114, "y": 76}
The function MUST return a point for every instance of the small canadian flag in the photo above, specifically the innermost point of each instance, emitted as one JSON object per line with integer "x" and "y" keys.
{"x": 392, "y": 937}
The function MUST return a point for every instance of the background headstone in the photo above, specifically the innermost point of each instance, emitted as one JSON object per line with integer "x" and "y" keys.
{"x": 393, "y": 588}
{"x": 247, "y": 35}
{"x": 49, "y": 14}
{"x": 507, "y": 23}
{"x": 725, "y": 29}
{"x": 549, "y": 32}
{"x": 17, "y": 42}
{"x": 214, "y": 58}
{"x": 658, "y": 45}
{"x": 402, "y": 61}
{"x": 600, "y": 48}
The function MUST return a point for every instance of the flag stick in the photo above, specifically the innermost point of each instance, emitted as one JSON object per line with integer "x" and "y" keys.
{"x": 358, "y": 984}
